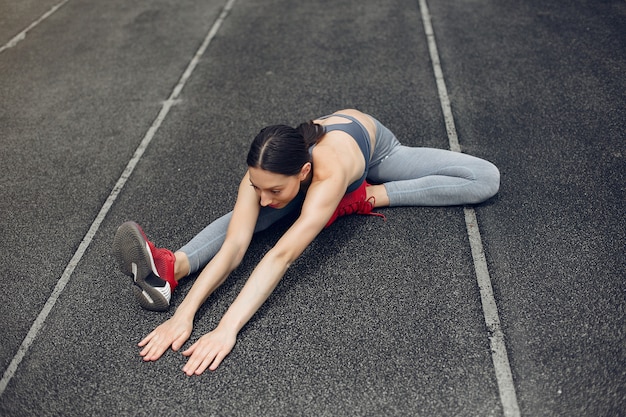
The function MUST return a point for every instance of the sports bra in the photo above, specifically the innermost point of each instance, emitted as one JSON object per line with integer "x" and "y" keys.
{"x": 360, "y": 135}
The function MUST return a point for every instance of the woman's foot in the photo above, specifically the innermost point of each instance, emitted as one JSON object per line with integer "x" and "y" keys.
{"x": 152, "y": 268}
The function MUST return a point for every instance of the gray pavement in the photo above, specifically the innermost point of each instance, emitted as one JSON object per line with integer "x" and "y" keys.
{"x": 376, "y": 318}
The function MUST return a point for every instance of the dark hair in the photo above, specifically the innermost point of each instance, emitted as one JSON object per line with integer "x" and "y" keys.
{"x": 282, "y": 149}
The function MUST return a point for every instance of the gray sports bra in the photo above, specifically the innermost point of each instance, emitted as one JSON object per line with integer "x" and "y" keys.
{"x": 360, "y": 135}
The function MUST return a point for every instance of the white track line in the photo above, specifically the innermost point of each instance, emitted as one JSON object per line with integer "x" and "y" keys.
{"x": 22, "y": 35}
{"x": 69, "y": 269}
{"x": 499, "y": 355}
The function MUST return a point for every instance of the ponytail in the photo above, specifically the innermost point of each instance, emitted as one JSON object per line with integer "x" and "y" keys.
{"x": 311, "y": 132}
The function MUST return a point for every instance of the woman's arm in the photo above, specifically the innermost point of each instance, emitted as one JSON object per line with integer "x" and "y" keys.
{"x": 322, "y": 198}
{"x": 230, "y": 255}
{"x": 175, "y": 331}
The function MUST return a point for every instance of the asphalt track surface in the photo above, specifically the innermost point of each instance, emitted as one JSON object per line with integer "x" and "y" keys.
{"x": 144, "y": 110}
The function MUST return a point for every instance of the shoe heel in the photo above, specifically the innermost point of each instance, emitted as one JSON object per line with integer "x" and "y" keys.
{"x": 150, "y": 299}
{"x": 128, "y": 248}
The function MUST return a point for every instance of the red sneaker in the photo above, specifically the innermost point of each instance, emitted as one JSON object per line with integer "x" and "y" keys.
{"x": 152, "y": 268}
{"x": 355, "y": 202}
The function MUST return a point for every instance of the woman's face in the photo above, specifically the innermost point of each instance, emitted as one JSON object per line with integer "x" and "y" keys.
{"x": 276, "y": 190}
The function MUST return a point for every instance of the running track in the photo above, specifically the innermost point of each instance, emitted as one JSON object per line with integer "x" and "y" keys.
{"x": 144, "y": 111}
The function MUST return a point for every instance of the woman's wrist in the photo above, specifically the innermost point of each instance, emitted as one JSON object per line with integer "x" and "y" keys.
{"x": 230, "y": 324}
{"x": 185, "y": 312}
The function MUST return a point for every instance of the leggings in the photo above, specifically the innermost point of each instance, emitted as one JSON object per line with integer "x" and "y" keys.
{"x": 411, "y": 177}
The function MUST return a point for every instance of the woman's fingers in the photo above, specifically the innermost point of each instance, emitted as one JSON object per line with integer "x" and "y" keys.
{"x": 146, "y": 339}
{"x": 179, "y": 342}
{"x": 218, "y": 360}
{"x": 208, "y": 352}
{"x": 171, "y": 333}
{"x": 153, "y": 350}
{"x": 200, "y": 357}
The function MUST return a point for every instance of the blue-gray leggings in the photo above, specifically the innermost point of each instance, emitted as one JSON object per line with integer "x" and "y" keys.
{"x": 411, "y": 176}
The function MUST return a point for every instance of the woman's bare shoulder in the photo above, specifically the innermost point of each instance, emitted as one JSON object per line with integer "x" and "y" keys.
{"x": 351, "y": 112}
{"x": 335, "y": 117}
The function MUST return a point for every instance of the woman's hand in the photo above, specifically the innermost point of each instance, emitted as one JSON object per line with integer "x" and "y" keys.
{"x": 174, "y": 332}
{"x": 209, "y": 351}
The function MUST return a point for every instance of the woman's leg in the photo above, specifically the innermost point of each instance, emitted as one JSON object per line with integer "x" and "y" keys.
{"x": 205, "y": 245}
{"x": 430, "y": 177}
{"x": 156, "y": 271}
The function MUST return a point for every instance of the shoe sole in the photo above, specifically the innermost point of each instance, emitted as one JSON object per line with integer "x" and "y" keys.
{"x": 134, "y": 259}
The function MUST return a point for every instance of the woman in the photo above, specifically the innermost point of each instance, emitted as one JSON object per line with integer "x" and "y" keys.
{"x": 319, "y": 168}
